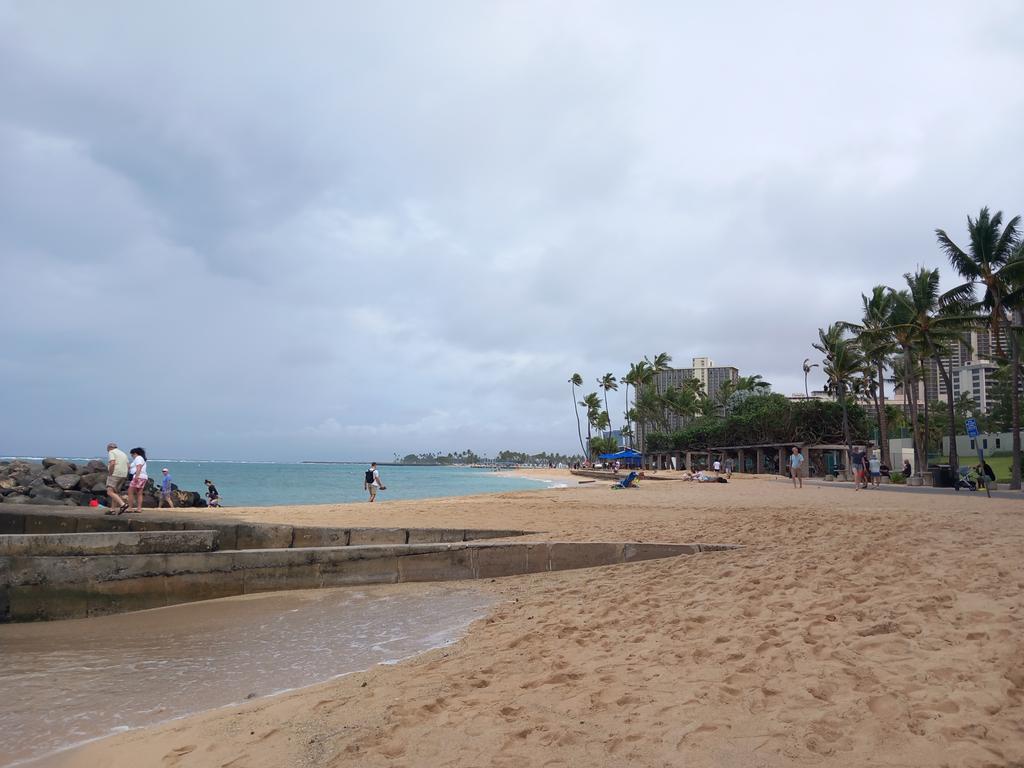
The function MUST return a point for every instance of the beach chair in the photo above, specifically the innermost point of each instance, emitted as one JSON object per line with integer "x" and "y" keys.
{"x": 629, "y": 481}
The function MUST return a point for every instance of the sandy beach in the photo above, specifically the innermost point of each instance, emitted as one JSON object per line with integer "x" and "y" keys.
{"x": 868, "y": 628}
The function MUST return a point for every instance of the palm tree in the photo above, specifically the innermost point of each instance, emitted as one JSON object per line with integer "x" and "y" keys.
{"x": 989, "y": 262}
{"x": 905, "y": 369}
{"x": 593, "y": 405}
{"x": 644, "y": 374}
{"x": 752, "y": 383}
{"x": 577, "y": 381}
{"x": 938, "y": 321}
{"x": 807, "y": 371}
{"x": 607, "y": 382}
{"x": 660, "y": 362}
{"x": 842, "y": 363}
{"x": 875, "y": 337}
{"x": 631, "y": 379}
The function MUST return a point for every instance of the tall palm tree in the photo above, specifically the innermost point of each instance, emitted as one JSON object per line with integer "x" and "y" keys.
{"x": 607, "y": 382}
{"x": 938, "y": 321}
{"x": 752, "y": 383}
{"x": 593, "y": 405}
{"x": 660, "y": 362}
{"x": 842, "y": 363}
{"x": 630, "y": 379}
{"x": 875, "y": 338}
{"x": 989, "y": 262}
{"x": 577, "y": 381}
{"x": 807, "y": 372}
{"x": 644, "y": 377}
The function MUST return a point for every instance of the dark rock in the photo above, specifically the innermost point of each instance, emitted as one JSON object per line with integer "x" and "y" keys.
{"x": 100, "y": 487}
{"x": 46, "y": 492}
{"x": 67, "y": 482}
{"x": 49, "y": 462}
{"x": 89, "y": 479}
{"x": 16, "y": 498}
{"x": 95, "y": 466}
{"x": 46, "y": 501}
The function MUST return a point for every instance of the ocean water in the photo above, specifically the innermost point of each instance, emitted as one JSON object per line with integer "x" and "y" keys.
{"x": 258, "y": 484}
{"x": 68, "y": 682}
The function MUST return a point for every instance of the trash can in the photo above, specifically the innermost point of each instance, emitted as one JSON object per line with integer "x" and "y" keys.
{"x": 942, "y": 475}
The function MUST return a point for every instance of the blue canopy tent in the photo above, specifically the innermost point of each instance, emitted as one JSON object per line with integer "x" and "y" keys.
{"x": 628, "y": 457}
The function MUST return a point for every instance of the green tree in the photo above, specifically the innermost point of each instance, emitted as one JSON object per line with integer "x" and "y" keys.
{"x": 592, "y": 403}
{"x": 577, "y": 381}
{"x": 842, "y": 363}
{"x": 937, "y": 321}
{"x": 875, "y": 338}
{"x": 607, "y": 382}
{"x": 993, "y": 262}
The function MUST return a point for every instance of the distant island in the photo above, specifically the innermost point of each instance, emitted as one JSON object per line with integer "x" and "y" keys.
{"x": 467, "y": 458}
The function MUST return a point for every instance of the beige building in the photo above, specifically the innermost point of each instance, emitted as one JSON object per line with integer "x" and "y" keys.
{"x": 704, "y": 370}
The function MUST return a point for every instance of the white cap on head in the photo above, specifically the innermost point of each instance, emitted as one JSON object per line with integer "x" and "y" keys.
{"x": 165, "y": 469}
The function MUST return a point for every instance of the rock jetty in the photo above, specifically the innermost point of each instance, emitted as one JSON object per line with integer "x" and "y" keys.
{"x": 57, "y": 482}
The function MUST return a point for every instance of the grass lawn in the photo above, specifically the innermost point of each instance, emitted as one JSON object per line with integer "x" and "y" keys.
{"x": 1000, "y": 464}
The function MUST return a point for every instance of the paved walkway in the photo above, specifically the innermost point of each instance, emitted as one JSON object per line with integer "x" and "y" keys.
{"x": 890, "y": 488}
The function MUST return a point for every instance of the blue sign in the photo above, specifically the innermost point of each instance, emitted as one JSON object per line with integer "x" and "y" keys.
{"x": 972, "y": 428}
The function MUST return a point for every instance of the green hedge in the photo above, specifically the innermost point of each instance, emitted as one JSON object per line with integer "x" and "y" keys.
{"x": 765, "y": 419}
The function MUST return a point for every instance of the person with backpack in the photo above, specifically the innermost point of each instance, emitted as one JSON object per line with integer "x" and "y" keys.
{"x": 371, "y": 482}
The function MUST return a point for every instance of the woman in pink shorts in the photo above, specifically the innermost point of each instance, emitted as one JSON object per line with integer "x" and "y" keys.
{"x": 137, "y": 469}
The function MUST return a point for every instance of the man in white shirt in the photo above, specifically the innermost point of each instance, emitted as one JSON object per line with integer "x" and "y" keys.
{"x": 372, "y": 481}
{"x": 717, "y": 466}
{"x": 796, "y": 460}
{"x": 117, "y": 475}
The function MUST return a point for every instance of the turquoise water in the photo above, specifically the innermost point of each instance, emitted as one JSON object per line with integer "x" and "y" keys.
{"x": 261, "y": 485}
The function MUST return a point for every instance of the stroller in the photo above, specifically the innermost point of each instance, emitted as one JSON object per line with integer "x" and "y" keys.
{"x": 964, "y": 481}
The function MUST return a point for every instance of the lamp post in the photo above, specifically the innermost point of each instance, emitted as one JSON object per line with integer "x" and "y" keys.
{"x": 807, "y": 369}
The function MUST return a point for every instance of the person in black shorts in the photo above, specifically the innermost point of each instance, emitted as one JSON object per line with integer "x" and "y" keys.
{"x": 212, "y": 497}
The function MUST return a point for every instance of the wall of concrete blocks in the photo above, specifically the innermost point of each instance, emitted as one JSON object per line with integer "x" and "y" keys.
{"x": 41, "y": 588}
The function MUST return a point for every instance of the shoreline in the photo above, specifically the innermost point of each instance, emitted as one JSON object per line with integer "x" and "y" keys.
{"x": 246, "y": 608}
{"x": 856, "y": 628}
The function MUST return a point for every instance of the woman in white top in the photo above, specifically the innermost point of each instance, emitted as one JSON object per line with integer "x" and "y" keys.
{"x": 137, "y": 469}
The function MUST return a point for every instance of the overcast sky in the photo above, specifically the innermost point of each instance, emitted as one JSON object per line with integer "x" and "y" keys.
{"x": 325, "y": 230}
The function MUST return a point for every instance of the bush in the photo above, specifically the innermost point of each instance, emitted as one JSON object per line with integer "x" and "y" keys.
{"x": 897, "y": 478}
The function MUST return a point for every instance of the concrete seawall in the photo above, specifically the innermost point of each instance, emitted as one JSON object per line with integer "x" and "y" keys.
{"x": 231, "y": 533}
{"x": 121, "y": 543}
{"x": 41, "y": 588}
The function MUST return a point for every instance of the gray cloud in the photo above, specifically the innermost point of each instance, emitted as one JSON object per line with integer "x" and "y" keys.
{"x": 334, "y": 230}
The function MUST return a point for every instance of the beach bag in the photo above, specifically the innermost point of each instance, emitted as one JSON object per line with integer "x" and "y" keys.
{"x": 369, "y": 476}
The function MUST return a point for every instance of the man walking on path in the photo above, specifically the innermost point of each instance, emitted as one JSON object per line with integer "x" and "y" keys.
{"x": 117, "y": 475}
{"x": 166, "y": 489}
{"x": 796, "y": 460}
{"x": 372, "y": 481}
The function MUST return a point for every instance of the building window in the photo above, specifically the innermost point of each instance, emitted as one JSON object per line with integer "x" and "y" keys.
{"x": 972, "y": 445}
{"x": 998, "y": 441}
{"x": 984, "y": 443}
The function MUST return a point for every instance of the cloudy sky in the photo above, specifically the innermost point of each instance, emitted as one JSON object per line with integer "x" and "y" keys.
{"x": 327, "y": 230}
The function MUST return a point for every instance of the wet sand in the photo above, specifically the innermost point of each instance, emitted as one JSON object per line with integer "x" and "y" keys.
{"x": 68, "y": 682}
{"x": 854, "y": 628}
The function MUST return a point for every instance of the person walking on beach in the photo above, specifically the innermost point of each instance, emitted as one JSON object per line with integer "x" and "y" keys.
{"x": 875, "y": 470}
{"x": 117, "y": 476}
{"x": 166, "y": 490}
{"x": 856, "y": 468}
{"x": 371, "y": 482}
{"x": 212, "y": 497}
{"x": 796, "y": 460}
{"x": 139, "y": 477}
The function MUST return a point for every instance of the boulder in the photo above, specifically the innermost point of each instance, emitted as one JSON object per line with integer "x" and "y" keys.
{"x": 49, "y": 462}
{"x": 188, "y": 499}
{"x": 89, "y": 479}
{"x": 95, "y": 466}
{"x": 67, "y": 482}
{"x": 100, "y": 487}
{"x": 8, "y": 483}
{"x": 16, "y": 498}
{"x": 46, "y": 492}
